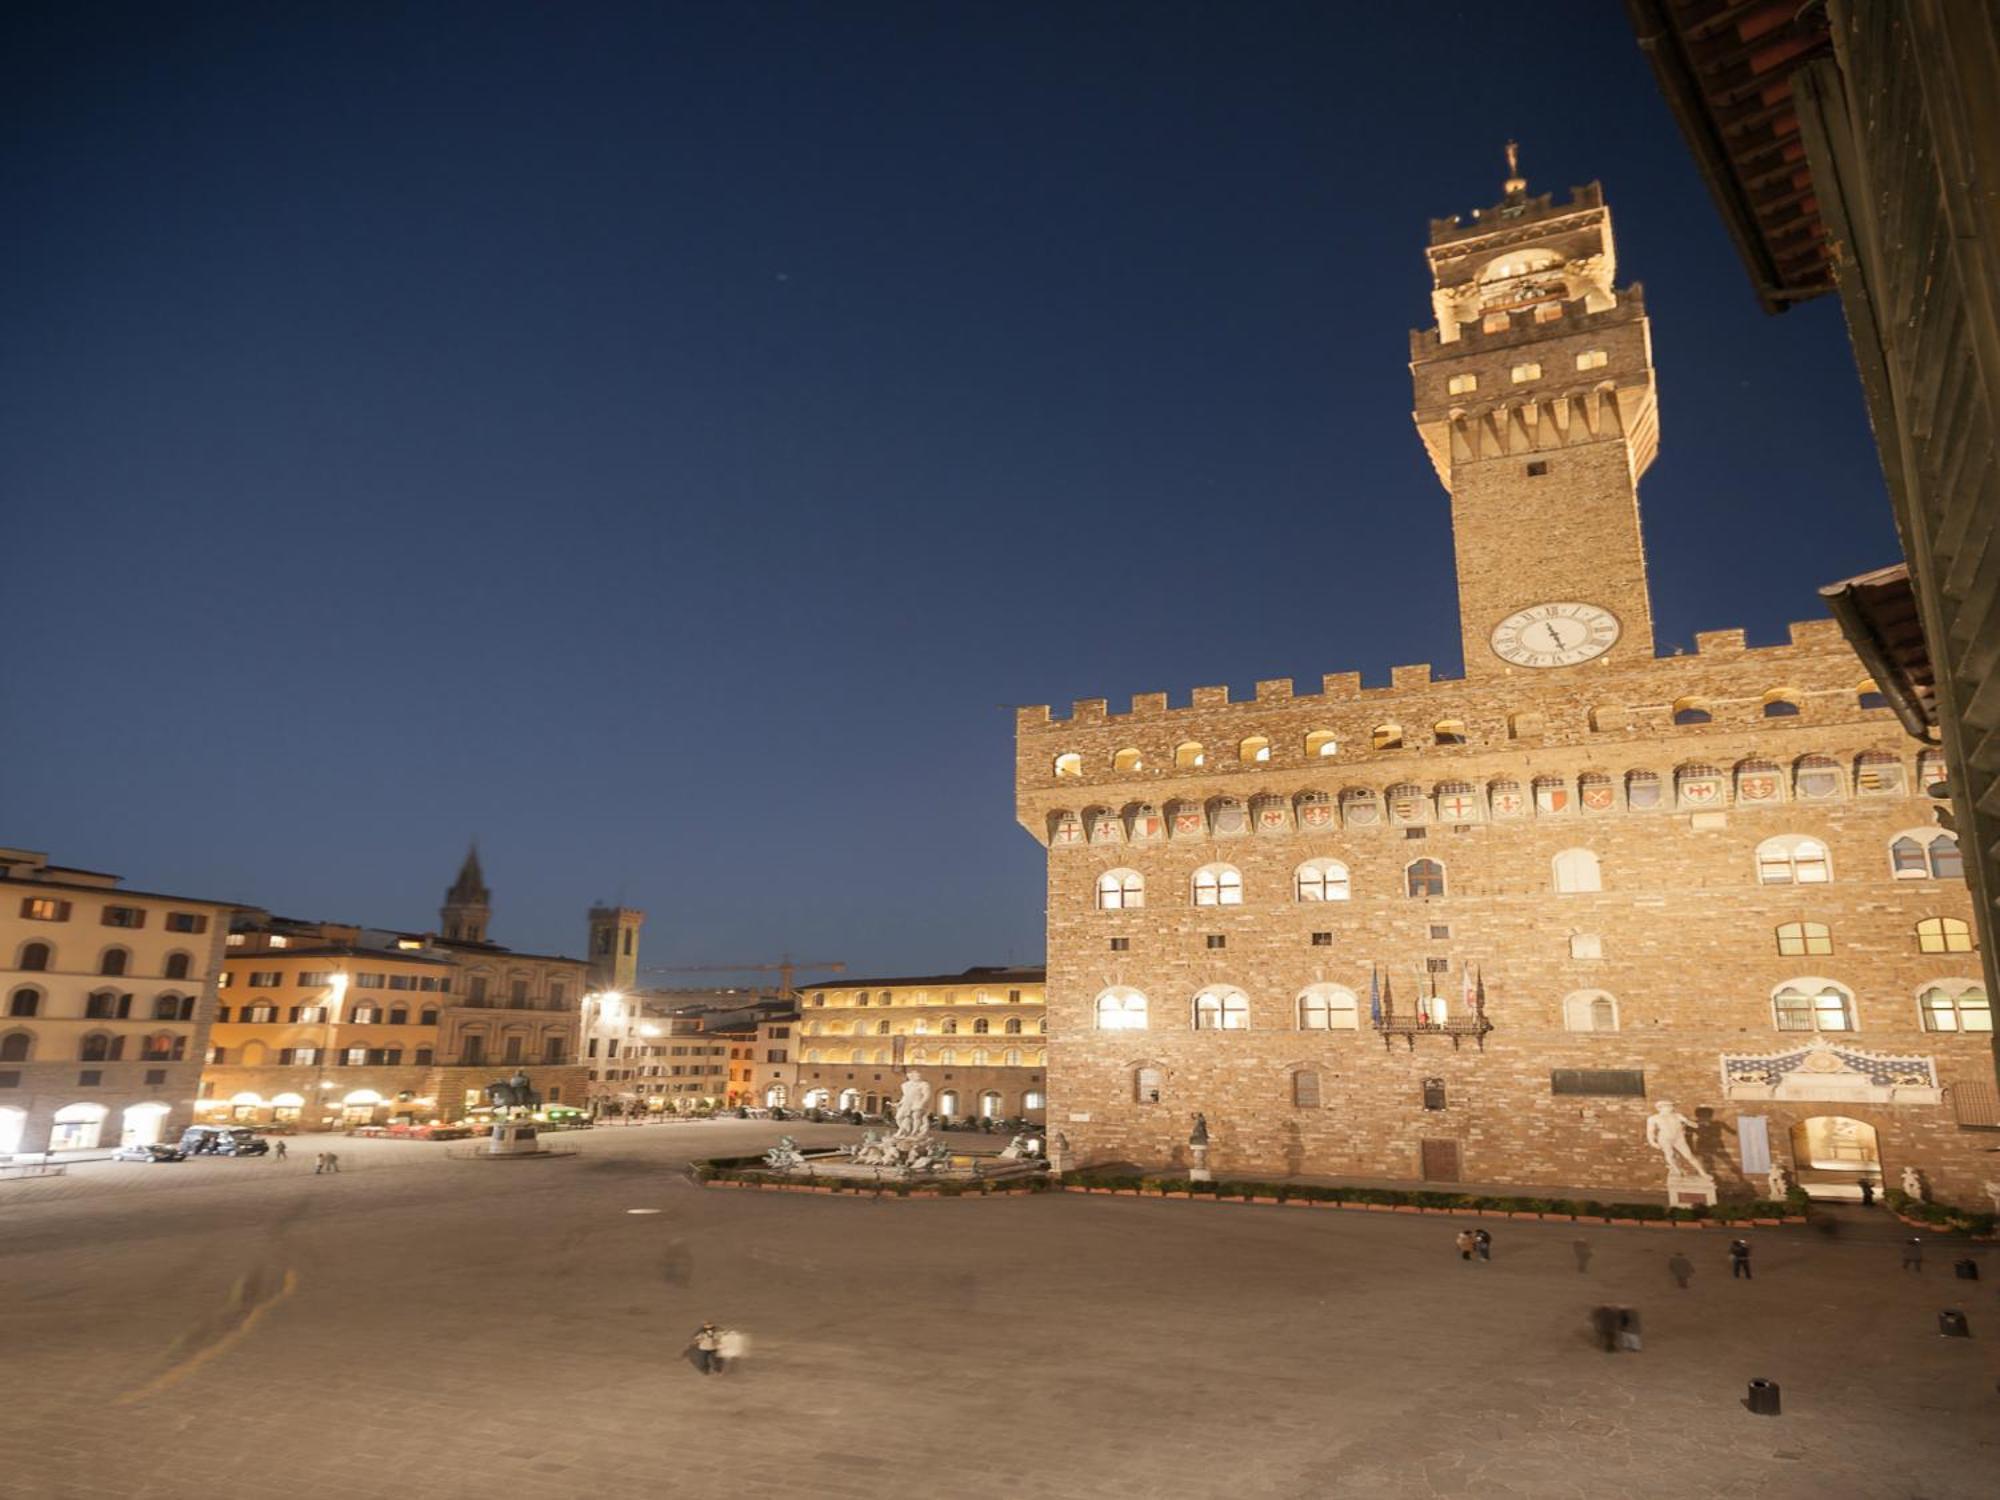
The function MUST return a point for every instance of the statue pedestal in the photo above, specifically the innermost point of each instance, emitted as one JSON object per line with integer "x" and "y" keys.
{"x": 1198, "y": 1171}
{"x": 513, "y": 1138}
{"x": 1690, "y": 1190}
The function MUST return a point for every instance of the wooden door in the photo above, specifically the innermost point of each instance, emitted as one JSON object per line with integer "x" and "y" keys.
{"x": 1440, "y": 1161}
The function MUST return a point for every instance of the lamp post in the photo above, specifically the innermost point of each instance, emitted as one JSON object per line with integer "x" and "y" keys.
{"x": 336, "y": 991}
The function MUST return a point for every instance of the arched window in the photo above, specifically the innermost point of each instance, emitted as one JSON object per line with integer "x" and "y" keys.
{"x": 949, "y": 1027}
{"x": 1328, "y": 1007}
{"x": 1692, "y": 711}
{"x": 97, "y": 1047}
{"x": 16, "y": 1046}
{"x": 399, "y": 1015}
{"x": 1320, "y": 880}
{"x": 1793, "y": 859}
{"x": 1221, "y": 1007}
{"x": 166, "y": 1007}
{"x": 1118, "y": 889}
{"x": 1798, "y": 939}
{"x": 1449, "y": 732}
{"x": 1254, "y": 751}
{"x": 178, "y": 965}
{"x": 1218, "y": 885}
{"x": 1590, "y": 1010}
{"x": 114, "y": 961}
{"x": 1944, "y": 935}
{"x": 882, "y": 1027}
{"x": 1013, "y": 1026}
{"x": 1322, "y": 742}
{"x": 1189, "y": 756}
{"x": 981, "y": 1026}
{"x": 1782, "y": 704}
{"x": 1813, "y": 1005}
{"x": 158, "y": 1047}
{"x": 1577, "y": 870}
{"x": 1128, "y": 759}
{"x": 1955, "y": 1005}
{"x": 1424, "y": 877}
{"x": 1924, "y": 855}
{"x": 1069, "y": 766}
{"x": 1387, "y": 737}
{"x": 34, "y": 958}
{"x": 24, "y": 1002}
{"x": 1120, "y": 1009}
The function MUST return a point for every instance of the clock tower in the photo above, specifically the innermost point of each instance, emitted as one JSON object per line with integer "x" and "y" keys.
{"x": 1534, "y": 398}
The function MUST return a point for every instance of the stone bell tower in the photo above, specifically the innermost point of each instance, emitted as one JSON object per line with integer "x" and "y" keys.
{"x": 614, "y": 947}
{"x": 468, "y": 905}
{"x": 1534, "y": 398}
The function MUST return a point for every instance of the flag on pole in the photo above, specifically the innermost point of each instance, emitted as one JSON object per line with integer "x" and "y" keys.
{"x": 1479, "y": 995}
{"x": 1466, "y": 994}
{"x": 1388, "y": 997}
{"x": 1374, "y": 996}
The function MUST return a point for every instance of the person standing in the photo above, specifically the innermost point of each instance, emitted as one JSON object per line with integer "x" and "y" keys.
{"x": 332, "y": 1162}
{"x": 319, "y": 1164}
{"x": 708, "y": 1349}
{"x": 1867, "y": 1192}
{"x": 1913, "y": 1253}
{"x": 278, "y": 1152}
{"x": 1739, "y": 1260}
{"x": 1681, "y": 1267}
{"x": 1482, "y": 1244}
{"x": 1465, "y": 1243}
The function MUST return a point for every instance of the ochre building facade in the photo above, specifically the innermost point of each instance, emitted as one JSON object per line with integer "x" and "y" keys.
{"x": 1474, "y": 930}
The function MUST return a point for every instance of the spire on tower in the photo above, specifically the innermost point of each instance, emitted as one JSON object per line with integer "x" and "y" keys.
{"x": 471, "y": 882}
{"x": 1516, "y": 184}
{"x": 468, "y": 904}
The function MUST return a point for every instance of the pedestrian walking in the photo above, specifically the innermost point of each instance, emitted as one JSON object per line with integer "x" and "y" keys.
{"x": 1867, "y": 1192}
{"x": 319, "y": 1164}
{"x": 1482, "y": 1244}
{"x": 278, "y": 1151}
{"x": 1739, "y": 1260}
{"x": 332, "y": 1162}
{"x": 1604, "y": 1322}
{"x": 1913, "y": 1253}
{"x": 1465, "y": 1243}
{"x": 1681, "y": 1267}
{"x": 707, "y": 1346}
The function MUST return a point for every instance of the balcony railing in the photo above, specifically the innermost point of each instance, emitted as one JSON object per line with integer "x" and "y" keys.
{"x": 1410, "y": 1027}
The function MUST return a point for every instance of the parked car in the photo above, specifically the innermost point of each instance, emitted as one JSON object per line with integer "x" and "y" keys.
{"x": 222, "y": 1140}
{"x": 149, "y": 1153}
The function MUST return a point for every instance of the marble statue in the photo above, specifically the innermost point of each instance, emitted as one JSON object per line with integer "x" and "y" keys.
{"x": 1778, "y": 1185}
{"x": 1913, "y": 1184}
{"x": 1199, "y": 1135}
{"x": 1667, "y": 1132}
{"x": 1021, "y": 1146}
{"x": 912, "y": 1105}
{"x": 785, "y": 1154}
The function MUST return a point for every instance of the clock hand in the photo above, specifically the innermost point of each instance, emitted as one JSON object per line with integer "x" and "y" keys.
{"x": 1549, "y": 626}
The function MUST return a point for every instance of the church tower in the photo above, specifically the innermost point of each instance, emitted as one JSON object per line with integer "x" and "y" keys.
{"x": 614, "y": 947}
{"x": 468, "y": 904}
{"x": 1534, "y": 397}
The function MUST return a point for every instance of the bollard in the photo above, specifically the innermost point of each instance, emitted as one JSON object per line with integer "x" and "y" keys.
{"x": 1763, "y": 1399}
{"x": 1966, "y": 1269}
{"x": 1952, "y": 1325}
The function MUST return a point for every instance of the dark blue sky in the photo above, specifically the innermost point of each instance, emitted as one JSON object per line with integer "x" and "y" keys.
{"x": 660, "y": 439}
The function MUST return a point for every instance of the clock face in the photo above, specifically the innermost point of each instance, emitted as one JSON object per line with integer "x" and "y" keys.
{"x": 1555, "y": 635}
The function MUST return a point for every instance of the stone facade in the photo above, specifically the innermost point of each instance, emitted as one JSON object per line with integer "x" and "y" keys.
{"x": 1610, "y": 877}
{"x": 109, "y": 995}
{"x": 977, "y": 1038}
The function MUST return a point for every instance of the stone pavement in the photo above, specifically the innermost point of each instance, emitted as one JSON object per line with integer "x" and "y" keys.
{"x": 241, "y": 1330}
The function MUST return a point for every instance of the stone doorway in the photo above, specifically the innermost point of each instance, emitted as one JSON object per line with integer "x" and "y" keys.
{"x": 1832, "y": 1153}
{"x": 1440, "y": 1161}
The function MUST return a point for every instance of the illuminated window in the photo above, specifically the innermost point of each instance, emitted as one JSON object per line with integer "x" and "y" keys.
{"x": 1523, "y": 373}
{"x": 1592, "y": 359}
{"x": 1798, "y": 939}
{"x": 1458, "y": 385}
{"x": 1254, "y": 751}
{"x": 1218, "y": 885}
{"x": 1793, "y": 859}
{"x": 1069, "y": 766}
{"x": 1118, "y": 889}
{"x": 1813, "y": 1005}
{"x": 1328, "y": 1007}
{"x": 1320, "y": 880}
{"x": 1387, "y": 737}
{"x": 1944, "y": 935}
{"x": 1955, "y": 1005}
{"x": 1121, "y": 1010}
{"x": 1322, "y": 742}
{"x": 1128, "y": 759}
{"x": 1221, "y": 1008}
{"x": 1449, "y": 732}
{"x": 1189, "y": 755}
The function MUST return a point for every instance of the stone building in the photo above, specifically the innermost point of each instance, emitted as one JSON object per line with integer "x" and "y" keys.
{"x": 109, "y": 996}
{"x": 1473, "y": 929}
{"x": 326, "y": 1025}
{"x": 977, "y": 1037}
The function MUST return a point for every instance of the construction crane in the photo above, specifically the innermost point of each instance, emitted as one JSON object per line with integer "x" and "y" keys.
{"x": 784, "y": 968}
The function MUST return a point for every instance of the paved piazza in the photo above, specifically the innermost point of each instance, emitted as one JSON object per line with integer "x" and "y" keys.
{"x": 429, "y": 1327}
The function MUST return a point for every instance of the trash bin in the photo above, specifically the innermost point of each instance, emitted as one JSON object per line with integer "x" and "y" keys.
{"x": 1763, "y": 1398}
{"x": 1966, "y": 1269}
{"x": 1951, "y": 1323}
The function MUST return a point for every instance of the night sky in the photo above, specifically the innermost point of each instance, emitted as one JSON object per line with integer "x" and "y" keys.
{"x": 664, "y": 441}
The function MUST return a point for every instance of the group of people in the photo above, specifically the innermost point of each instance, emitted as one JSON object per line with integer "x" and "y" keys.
{"x": 1475, "y": 1244}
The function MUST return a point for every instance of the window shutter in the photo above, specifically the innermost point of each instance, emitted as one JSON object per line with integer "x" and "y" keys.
{"x": 1976, "y": 1102}
{"x": 1305, "y": 1090}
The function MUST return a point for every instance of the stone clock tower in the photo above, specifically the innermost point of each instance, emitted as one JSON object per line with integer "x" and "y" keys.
{"x": 1534, "y": 397}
